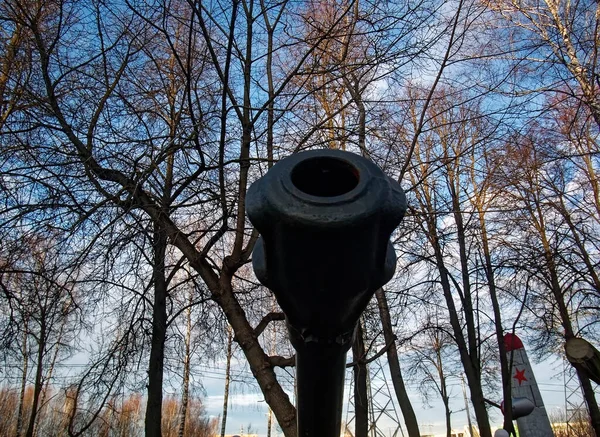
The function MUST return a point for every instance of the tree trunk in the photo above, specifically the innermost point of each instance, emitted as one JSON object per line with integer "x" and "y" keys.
{"x": 361, "y": 398}
{"x": 469, "y": 362}
{"x": 20, "y": 412}
{"x": 186, "y": 374}
{"x": 410, "y": 419}
{"x": 51, "y": 366}
{"x": 227, "y": 381}
{"x": 505, "y": 366}
{"x": 448, "y": 414}
{"x": 590, "y": 400}
{"x": 269, "y": 422}
{"x": 259, "y": 362}
{"x": 588, "y": 391}
{"x": 159, "y": 330}
{"x": 444, "y": 390}
{"x": 464, "y": 390}
{"x": 468, "y": 345}
{"x": 37, "y": 388}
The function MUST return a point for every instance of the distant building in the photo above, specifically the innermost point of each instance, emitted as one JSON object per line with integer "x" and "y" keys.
{"x": 454, "y": 433}
{"x": 237, "y": 435}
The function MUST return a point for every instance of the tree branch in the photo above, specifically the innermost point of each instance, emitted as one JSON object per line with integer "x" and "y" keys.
{"x": 363, "y": 360}
{"x": 262, "y": 325}
{"x": 279, "y": 361}
{"x": 493, "y": 404}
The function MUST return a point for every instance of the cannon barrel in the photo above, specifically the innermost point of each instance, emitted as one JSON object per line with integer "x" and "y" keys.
{"x": 325, "y": 218}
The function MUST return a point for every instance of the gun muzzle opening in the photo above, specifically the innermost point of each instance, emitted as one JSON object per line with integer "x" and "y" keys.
{"x": 325, "y": 176}
{"x": 325, "y": 219}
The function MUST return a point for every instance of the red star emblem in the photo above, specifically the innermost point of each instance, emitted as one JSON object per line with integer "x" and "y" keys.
{"x": 520, "y": 375}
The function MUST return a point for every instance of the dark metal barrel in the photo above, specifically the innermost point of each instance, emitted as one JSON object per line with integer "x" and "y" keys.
{"x": 325, "y": 219}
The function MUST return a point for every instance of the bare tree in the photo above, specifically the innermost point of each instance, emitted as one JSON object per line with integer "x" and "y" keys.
{"x": 172, "y": 164}
{"x": 40, "y": 287}
{"x": 136, "y": 128}
{"x": 438, "y": 175}
{"x": 430, "y": 365}
{"x": 539, "y": 187}
{"x": 557, "y": 44}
